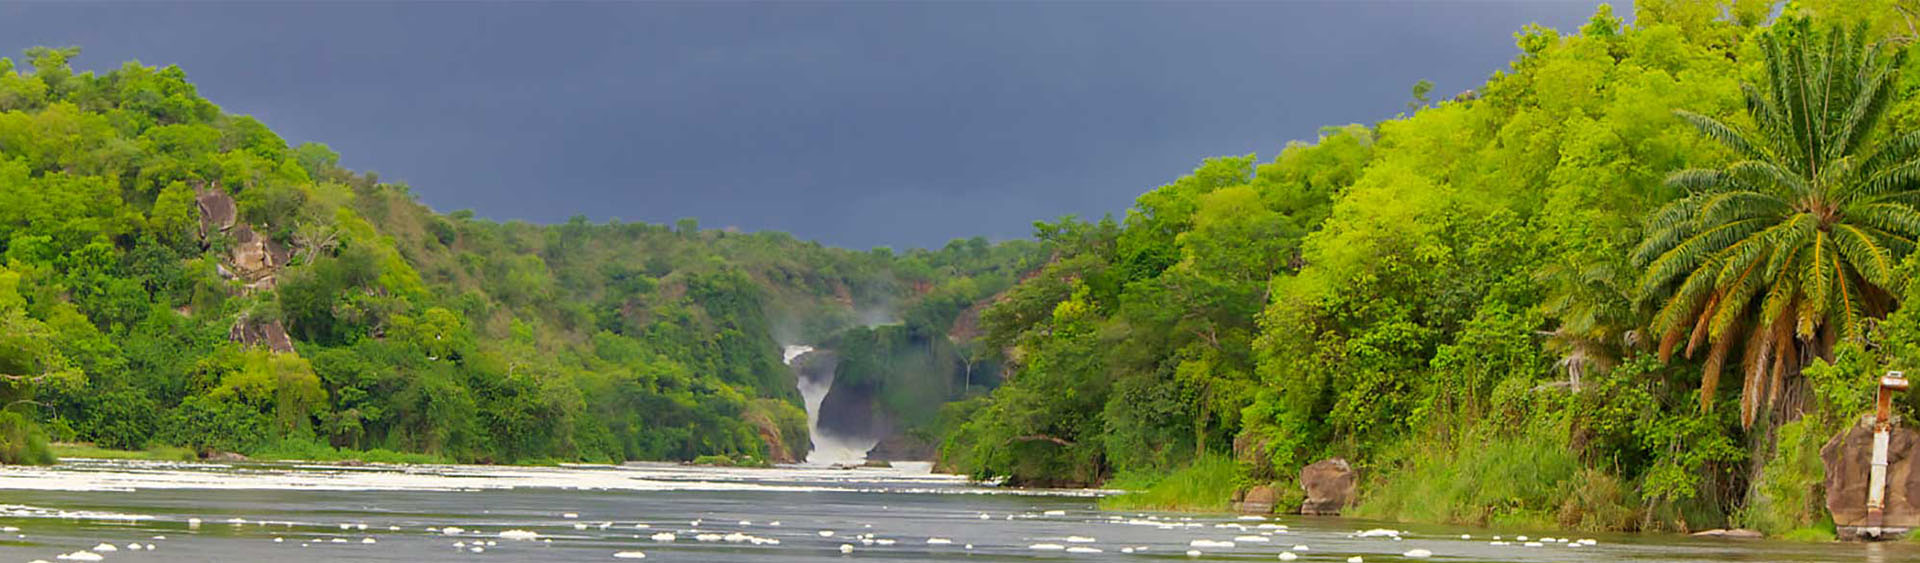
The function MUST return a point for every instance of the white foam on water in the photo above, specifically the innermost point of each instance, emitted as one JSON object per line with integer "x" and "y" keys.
{"x": 25, "y": 511}
{"x": 792, "y": 352}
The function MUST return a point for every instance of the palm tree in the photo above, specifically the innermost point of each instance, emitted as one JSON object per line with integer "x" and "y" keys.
{"x": 1792, "y": 245}
{"x": 1593, "y": 303}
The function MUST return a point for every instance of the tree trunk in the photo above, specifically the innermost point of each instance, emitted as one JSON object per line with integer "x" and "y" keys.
{"x": 1763, "y": 437}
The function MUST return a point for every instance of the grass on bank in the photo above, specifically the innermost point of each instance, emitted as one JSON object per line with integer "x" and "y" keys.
{"x": 156, "y": 453}
{"x": 1527, "y": 481}
{"x": 721, "y": 460}
{"x": 1206, "y": 485}
{"x": 302, "y": 450}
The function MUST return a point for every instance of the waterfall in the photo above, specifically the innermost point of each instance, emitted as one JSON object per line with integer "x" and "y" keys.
{"x": 813, "y": 376}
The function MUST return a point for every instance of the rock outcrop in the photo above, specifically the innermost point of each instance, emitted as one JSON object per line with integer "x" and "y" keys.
{"x": 1329, "y": 485}
{"x": 776, "y": 443}
{"x": 217, "y": 211}
{"x": 1260, "y": 499}
{"x": 898, "y": 446}
{"x": 224, "y": 457}
{"x": 254, "y": 258}
{"x": 250, "y": 332}
{"x": 1849, "y": 459}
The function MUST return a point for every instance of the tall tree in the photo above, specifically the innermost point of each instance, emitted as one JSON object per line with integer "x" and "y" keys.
{"x": 1787, "y": 248}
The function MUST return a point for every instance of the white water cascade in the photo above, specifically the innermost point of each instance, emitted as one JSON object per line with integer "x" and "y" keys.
{"x": 827, "y": 449}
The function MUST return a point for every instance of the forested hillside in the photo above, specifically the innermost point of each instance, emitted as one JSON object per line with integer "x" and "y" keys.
{"x": 177, "y": 276}
{"x": 1611, "y": 288}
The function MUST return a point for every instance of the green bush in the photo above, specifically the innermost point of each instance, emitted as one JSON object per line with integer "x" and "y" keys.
{"x": 209, "y": 425}
{"x": 1789, "y": 495}
{"x": 714, "y": 460}
{"x": 787, "y": 420}
{"x": 22, "y": 441}
{"x": 123, "y": 420}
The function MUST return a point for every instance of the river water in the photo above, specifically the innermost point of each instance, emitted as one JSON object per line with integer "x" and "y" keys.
{"x": 296, "y": 512}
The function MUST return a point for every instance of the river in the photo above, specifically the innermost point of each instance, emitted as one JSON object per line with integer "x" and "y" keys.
{"x": 302, "y": 512}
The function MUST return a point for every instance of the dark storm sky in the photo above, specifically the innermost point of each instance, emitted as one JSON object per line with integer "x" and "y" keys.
{"x": 854, "y": 123}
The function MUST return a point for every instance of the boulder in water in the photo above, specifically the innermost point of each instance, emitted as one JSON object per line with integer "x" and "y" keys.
{"x": 1329, "y": 485}
{"x": 226, "y": 457}
{"x": 1739, "y": 533}
{"x": 1258, "y": 500}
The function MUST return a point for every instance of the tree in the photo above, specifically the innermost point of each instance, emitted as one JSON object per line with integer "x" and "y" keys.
{"x": 173, "y": 217}
{"x": 1420, "y": 91}
{"x": 1785, "y": 250}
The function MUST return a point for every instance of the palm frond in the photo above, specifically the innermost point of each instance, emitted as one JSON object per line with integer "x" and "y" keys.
{"x": 1723, "y": 134}
{"x": 1872, "y": 259}
{"x": 1696, "y": 249}
{"x": 1710, "y": 372}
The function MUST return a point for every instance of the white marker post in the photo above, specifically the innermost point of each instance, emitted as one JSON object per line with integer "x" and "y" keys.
{"x": 1882, "y": 429}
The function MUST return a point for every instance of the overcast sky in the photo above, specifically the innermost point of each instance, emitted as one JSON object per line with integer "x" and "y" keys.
{"x": 854, "y": 123}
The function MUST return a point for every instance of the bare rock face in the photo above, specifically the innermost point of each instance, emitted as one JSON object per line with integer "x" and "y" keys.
{"x": 1258, "y": 500}
{"x": 1329, "y": 485}
{"x": 256, "y": 258}
{"x": 1849, "y": 459}
{"x": 217, "y": 211}
{"x": 897, "y": 446}
{"x": 249, "y": 332}
{"x": 249, "y": 254}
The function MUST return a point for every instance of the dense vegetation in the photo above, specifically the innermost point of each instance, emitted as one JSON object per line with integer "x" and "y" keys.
{"x": 1512, "y": 306}
{"x": 177, "y": 276}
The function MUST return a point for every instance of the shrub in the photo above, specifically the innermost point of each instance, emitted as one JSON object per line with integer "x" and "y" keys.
{"x": 22, "y": 442}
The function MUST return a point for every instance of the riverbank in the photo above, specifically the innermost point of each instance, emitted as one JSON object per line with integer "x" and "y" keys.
{"x": 282, "y": 452}
{"x": 1504, "y": 486}
{"x": 299, "y": 452}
